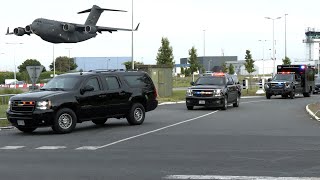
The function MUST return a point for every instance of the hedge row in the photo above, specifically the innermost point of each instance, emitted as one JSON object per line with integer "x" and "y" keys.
{"x": 25, "y": 77}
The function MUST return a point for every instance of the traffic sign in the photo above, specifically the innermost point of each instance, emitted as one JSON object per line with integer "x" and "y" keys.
{"x": 34, "y": 72}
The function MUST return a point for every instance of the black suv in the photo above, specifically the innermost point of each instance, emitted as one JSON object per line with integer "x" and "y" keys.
{"x": 216, "y": 90}
{"x": 72, "y": 98}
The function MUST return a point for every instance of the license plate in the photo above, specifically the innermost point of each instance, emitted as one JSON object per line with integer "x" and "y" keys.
{"x": 202, "y": 102}
{"x": 21, "y": 122}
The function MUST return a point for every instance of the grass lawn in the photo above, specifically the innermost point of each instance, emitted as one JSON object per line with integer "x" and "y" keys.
{"x": 178, "y": 95}
{"x": 3, "y": 109}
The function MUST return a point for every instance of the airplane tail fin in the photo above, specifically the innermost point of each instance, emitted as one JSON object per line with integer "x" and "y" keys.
{"x": 95, "y": 13}
{"x": 8, "y": 32}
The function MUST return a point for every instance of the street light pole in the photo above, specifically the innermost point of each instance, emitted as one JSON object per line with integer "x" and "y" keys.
{"x": 263, "y": 41}
{"x": 273, "y": 50}
{"x": 69, "y": 56}
{"x": 285, "y": 35}
{"x": 14, "y": 63}
{"x": 132, "y": 35}
{"x": 204, "y": 43}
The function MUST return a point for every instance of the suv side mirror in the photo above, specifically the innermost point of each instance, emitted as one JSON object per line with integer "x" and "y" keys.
{"x": 229, "y": 83}
{"x": 192, "y": 83}
{"x": 269, "y": 79}
{"x": 86, "y": 88}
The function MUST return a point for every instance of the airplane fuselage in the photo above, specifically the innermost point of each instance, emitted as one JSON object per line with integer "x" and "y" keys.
{"x": 54, "y": 32}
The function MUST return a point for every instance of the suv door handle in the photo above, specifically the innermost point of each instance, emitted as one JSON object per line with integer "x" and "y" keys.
{"x": 102, "y": 96}
{"x": 122, "y": 93}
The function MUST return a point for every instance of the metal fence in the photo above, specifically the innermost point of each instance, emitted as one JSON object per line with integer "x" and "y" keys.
{"x": 4, "y": 101}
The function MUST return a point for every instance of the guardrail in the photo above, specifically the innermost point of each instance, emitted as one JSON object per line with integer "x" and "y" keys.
{"x": 5, "y": 98}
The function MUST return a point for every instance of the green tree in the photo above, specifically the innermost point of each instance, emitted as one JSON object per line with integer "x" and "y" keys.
{"x": 187, "y": 72}
{"x": 128, "y": 64}
{"x": 29, "y": 62}
{"x": 193, "y": 60}
{"x": 182, "y": 70}
{"x": 203, "y": 69}
{"x": 231, "y": 69}
{"x": 249, "y": 64}
{"x": 165, "y": 56}
{"x": 64, "y": 64}
{"x": 224, "y": 68}
{"x": 286, "y": 61}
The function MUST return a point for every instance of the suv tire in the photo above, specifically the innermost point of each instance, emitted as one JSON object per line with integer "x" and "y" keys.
{"x": 292, "y": 94}
{"x": 65, "y": 121}
{"x": 307, "y": 94}
{"x": 268, "y": 96}
{"x": 225, "y": 103}
{"x": 190, "y": 107}
{"x": 26, "y": 129}
{"x": 236, "y": 104}
{"x": 136, "y": 114}
{"x": 99, "y": 122}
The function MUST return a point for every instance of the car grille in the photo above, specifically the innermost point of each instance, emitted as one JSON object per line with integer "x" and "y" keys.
{"x": 23, "y": 106}
{"x": 277, "y": 86}
{"x": 202, "y": 93}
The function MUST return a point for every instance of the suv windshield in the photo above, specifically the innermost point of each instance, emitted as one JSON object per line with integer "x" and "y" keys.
{"x": 62, "y": 83}
{"x": 210, "y": 80}
{"x": 283, "y": 77}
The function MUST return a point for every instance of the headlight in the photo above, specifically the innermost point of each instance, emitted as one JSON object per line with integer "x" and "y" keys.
{"x": 217, "y": 92}
{"x": 9, "y": 104}
{"x": 43, "y": 105}
{"x": 287, "y": 85}
{"x": 266, "y": 86}
{"x": 189, "y": 92}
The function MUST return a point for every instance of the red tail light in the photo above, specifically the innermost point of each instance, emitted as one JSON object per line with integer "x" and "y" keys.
{"x": 155, "y": 93}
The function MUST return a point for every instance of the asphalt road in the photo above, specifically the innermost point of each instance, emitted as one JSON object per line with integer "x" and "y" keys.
{"x": 262, "y": 137}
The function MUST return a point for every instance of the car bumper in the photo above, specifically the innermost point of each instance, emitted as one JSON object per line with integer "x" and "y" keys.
{"x": 278, "y": 91}
{"x": 37, "y": 118}
{"x": 207, "y": 102}
{"x": 151, "y": 105}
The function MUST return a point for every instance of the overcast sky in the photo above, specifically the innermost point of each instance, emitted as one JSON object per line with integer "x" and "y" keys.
{"x": 231, "y": 27}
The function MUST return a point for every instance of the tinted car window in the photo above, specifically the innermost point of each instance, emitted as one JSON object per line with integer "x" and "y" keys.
{"x": 94, "y": 83}
{"x": 210, "y": 80}
{"x": 138, "y": 80}
{"x": 62, "y": 82}
{"x": 112, "y": 83}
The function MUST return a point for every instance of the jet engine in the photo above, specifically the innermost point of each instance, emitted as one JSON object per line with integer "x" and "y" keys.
{"x": 28, "y": 29}
{"x": 19, "y": 31}
{"x": 69, "y": 27}
{"x": 90, "y": 29}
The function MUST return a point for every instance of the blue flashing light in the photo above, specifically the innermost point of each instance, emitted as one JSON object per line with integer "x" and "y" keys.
{"x": 302, "y": 67}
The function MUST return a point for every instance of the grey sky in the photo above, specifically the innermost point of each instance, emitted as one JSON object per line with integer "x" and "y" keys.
{"x": 231, "y": 26}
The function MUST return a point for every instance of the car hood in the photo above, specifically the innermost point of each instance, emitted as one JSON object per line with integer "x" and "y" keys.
{"x": 279, "y": 81}
{"x": 37, "y": 95}
{"x": 206, "y": 87}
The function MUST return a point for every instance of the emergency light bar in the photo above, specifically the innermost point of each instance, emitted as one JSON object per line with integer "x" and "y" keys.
{"x": 218, "y": 74}
{"x": 286, "y": 72}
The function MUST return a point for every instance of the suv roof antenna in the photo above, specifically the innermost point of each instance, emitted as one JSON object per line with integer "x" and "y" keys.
{"x": 81, "y": 71}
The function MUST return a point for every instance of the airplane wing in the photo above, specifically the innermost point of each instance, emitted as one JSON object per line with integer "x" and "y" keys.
{"x": 111, "y": 29}
{"x": 100, "y": 29}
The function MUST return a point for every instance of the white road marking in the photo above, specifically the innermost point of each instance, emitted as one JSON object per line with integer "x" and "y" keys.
{"x": 12, "y": 147}
{"x": 51, "y": 147}
{"x": 153, "y": 131}
{"x": 238, "y": 177}
{"x": 253, "y": 101}
{"x": 88, "y": 148}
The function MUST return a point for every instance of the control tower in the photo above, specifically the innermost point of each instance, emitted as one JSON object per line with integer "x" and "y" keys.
{"x": 312, "y": 45}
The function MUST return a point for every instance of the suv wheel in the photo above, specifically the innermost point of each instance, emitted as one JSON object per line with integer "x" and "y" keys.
{"x": 292, "y": 94}
{"x": 306, "y": 94}
{"x": 225, "y": 103}
{"x": 189, "y": 107}
{"x": 65, "y": 121}
{"x": 236, "y": 104}
{"x": 136, "y": 114}
{"x": 99, "y": 121}
{"x": 268, "y": 96}
{"x": 26, "y": 130}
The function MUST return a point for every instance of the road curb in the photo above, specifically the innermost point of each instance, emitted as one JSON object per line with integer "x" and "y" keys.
{"x": 311, "y": 113}
{"x": 166, "y": 103}
{"x": 6, "y": 127}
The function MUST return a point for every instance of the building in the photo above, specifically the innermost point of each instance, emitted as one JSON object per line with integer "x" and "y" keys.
{"x": 177, "y": 68}
{"x": 90, "y": 63}
{"x": 212, "y": 63}
{"x": 240, "y": 69}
